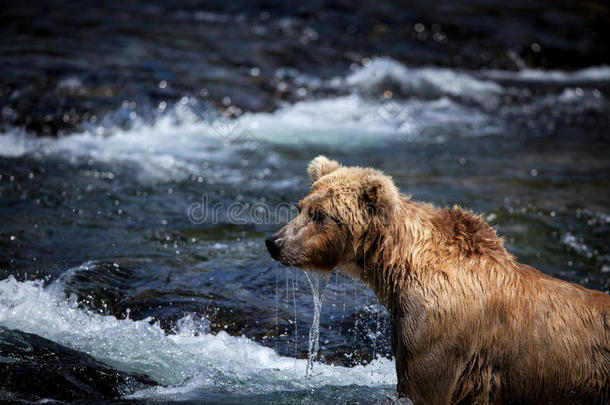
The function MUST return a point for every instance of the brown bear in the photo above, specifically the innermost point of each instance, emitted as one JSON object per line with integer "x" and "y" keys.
{"x": 469, "y": 323}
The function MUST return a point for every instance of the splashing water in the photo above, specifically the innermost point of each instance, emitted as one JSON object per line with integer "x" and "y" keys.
{"x": 187, "y": 363}
{"x": 318, "y": 283}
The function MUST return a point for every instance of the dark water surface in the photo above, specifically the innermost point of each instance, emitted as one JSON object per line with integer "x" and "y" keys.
{"x": 134, "y": 241}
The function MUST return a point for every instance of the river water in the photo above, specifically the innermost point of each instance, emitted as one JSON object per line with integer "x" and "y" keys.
{"x": 137, "y": 237}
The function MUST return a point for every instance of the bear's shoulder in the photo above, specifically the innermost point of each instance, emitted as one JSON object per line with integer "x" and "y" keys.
{"x": 469, "y": 231}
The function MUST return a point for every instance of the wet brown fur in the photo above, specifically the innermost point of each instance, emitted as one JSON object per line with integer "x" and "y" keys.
{"x": 470, "y": 324}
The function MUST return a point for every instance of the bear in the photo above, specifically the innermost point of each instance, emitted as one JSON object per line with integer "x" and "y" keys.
{"x": 470, "y": 324}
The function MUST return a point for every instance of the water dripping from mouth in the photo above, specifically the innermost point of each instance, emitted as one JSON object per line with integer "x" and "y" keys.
{"x": 318, "y": 283}
{"x": 296, "y": 320}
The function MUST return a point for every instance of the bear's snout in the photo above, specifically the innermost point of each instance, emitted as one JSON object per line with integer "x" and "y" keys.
{"x": 273, "y": 244}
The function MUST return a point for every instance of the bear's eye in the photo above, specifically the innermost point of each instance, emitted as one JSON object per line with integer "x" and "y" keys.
{"x": 317, "y": 216}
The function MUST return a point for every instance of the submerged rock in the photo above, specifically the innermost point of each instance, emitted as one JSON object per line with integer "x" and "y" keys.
{"x": 32, "y": 368}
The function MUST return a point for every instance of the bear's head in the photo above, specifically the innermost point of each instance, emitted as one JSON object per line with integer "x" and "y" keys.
{"x": 343, "y": 206}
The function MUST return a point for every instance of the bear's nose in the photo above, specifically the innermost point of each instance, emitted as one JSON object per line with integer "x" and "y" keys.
{"x": 273, "y": 246}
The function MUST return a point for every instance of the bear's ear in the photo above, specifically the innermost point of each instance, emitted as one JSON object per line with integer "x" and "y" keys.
{"x": 321, "y": 166}
{"x": 379, "y": 192}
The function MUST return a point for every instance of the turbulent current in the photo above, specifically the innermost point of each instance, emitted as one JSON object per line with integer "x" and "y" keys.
{"x": 142, "y": 246}
{"x": 186, "y": 363}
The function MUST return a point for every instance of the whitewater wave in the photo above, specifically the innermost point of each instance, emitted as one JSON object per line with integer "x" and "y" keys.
{"x": 478, "y": 86}
{"x": 440, "y": 81}
{"x": 164, "y": 151}
{"x": 191, "y": 360}
{"x": 591, "y": 74}
{"x": 441, "y": 103}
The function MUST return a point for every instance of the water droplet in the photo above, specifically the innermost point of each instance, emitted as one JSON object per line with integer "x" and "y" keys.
{"x": 282, "y": 86}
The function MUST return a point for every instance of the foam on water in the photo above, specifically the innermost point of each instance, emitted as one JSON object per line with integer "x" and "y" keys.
{"x": 441, "y": 80}
{"x": 188, "y": 361}
{"x": 448, "y": 101}
{"x": 163, "y": 151}
{"x": 595, "y": 73}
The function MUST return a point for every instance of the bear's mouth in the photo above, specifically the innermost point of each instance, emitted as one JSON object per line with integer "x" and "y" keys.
{"x": 282, "y": 259}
